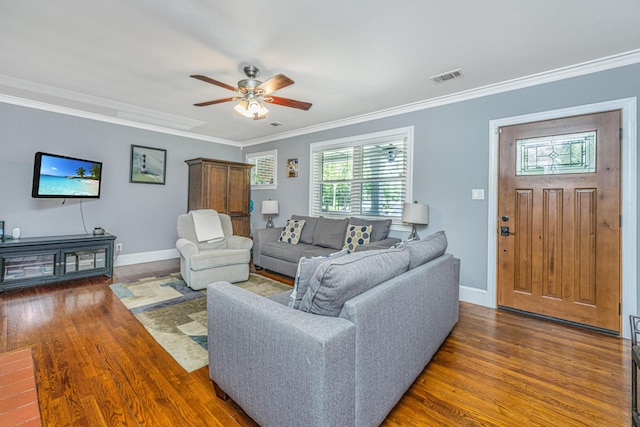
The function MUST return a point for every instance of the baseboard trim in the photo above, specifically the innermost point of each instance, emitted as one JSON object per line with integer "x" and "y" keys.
{"x": 475, "y": 296}
{"x": 141, "y": 257}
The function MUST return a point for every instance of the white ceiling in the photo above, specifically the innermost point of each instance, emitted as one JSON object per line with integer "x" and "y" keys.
{"x": 131, "y": 59}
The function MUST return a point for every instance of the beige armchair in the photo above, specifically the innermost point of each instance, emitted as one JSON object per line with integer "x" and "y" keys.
{"x": 202, "y": 263}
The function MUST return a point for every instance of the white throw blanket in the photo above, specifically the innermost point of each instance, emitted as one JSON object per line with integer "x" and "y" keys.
{"x": 207, "y": 225}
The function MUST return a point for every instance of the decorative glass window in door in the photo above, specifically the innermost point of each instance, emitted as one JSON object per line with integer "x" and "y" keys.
{"x": 560, "y": 154}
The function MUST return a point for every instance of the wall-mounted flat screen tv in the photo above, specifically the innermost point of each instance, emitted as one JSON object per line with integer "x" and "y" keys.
{"x": 57, "y": 176}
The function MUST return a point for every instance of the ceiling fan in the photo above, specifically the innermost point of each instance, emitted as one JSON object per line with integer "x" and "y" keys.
{"x": 252, "y": 93}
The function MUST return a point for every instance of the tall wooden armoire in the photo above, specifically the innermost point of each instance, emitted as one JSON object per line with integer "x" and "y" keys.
{"x": 223, "y": 186}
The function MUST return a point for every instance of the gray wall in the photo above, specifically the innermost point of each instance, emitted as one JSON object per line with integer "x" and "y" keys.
{"x": 142, "y": 216}
{"x": 451, "y": 152}
{"x": 451, "y": 157}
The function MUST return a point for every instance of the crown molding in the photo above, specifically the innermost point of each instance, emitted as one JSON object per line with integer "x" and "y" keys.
{"x": 576, "y": 70}
{"x": 137, "y": 117}
{"x": 123, "y": 110}
{"x": 7, "y": 99}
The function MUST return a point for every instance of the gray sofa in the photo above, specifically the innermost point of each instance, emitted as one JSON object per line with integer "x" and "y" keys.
{"x": 319, "y": 236}
{"x": 291, "y": 367}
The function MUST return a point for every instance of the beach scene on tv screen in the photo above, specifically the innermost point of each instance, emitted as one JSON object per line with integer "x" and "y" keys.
{"x": 68, "y": 177}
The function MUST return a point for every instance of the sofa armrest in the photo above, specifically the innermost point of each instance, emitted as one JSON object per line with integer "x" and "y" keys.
{"x": 427, "y": 298}
{"x": 263, "y": 235}
{"x": 282, "y": 366}
{"x": 239, "y": 242}
{"x": 186, "y": 248}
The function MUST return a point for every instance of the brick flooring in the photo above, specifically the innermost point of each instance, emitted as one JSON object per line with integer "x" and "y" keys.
{"x": 18, "y": 396}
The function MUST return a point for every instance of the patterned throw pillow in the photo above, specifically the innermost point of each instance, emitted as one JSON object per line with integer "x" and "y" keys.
{"x": 357, "y": 235}
{"x": 291, "y": 231}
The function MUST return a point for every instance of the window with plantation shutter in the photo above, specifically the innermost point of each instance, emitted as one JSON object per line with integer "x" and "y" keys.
{"x": 365, "y": 176}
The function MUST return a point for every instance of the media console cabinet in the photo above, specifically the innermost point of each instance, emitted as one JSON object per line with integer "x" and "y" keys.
{"x": 37, "y": 261}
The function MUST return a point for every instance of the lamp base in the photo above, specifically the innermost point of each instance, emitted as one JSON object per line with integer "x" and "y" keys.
{"x": 414, "y": 233}
{"x": 270, "y": 222}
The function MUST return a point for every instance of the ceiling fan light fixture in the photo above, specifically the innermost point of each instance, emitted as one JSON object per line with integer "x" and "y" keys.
{"x": 241, "y": 107}
{"x": 252, "y": 109}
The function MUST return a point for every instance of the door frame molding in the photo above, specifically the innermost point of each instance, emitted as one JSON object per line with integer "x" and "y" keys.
{"x": 628, "y": 177}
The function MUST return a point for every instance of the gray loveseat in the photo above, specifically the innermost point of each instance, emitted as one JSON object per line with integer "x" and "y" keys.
{"x": 291, "y": 367}
{"x": 319, "y": 236}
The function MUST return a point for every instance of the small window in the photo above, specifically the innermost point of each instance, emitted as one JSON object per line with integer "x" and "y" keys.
{"x": 575, "y": 153}
{"x": 264, "y": 174}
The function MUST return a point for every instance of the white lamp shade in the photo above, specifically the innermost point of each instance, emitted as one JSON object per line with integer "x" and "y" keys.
{"x": 269, "y": 207}
{"x": 415, "y": 213}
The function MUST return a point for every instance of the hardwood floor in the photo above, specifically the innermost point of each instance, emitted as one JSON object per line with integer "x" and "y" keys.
{"x": 96, "y": 365}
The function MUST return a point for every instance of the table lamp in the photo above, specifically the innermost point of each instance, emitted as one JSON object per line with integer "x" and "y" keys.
{"x": 415, "y": 213}
{"x": 269, "y": 207}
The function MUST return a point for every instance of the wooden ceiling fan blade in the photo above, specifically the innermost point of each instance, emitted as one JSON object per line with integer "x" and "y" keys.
{"x": 275, "y": 83}
{"x": 216, "y": 101}
{"x": 213, "y": 82}
{"x": 288, "y": 102}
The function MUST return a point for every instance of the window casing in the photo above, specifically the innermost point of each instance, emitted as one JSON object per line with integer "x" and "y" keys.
{"x": 265, "y": 174}
{"x": 367, "y": 176}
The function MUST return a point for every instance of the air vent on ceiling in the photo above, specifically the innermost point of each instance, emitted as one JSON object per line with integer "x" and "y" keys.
{"x": 275, "y": 124}
{"x": 449, "y": 75}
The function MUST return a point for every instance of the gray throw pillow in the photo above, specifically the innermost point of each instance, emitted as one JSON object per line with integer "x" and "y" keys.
{"x": 337, "y": 281}
{"x": 306, "y": 267}
{"x": 423, "y": 251}
{"x": 330, "y": 232}
{"x": 380, "y": 229}
{"x": 309, "y": 227}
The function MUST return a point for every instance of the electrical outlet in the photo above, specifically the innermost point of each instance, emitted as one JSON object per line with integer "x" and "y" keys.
{"x": 118, "y": 247}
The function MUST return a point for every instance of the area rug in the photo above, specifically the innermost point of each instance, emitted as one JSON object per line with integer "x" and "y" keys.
{"x": 176, "y": 315}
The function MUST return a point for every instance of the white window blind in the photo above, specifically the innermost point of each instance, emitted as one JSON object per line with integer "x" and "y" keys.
{"x": 367, "y": 176}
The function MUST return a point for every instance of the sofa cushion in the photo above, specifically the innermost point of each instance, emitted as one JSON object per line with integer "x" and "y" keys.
{"x": 357, "y": 235}
{"x": 423, "y": 251}
{"x": 310, "y": 223}
{"x": 292, "y": 231}
{"x": 380, "y": 229}
{"x": 306, "y": 267}
{"x": 337, "y": 281}
{"x": 330, "y": 233}
{"x": 284, "y": 251}
{"x": 317, "y": 251}
{"x": 213, "y": 258}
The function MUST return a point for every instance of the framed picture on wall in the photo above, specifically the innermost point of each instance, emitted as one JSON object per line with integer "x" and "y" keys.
{"x": 292, "y": 168}
{"x": 148, "y": 165}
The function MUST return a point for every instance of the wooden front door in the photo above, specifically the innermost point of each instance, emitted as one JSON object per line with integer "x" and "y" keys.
{"x": 559, "y": 219}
